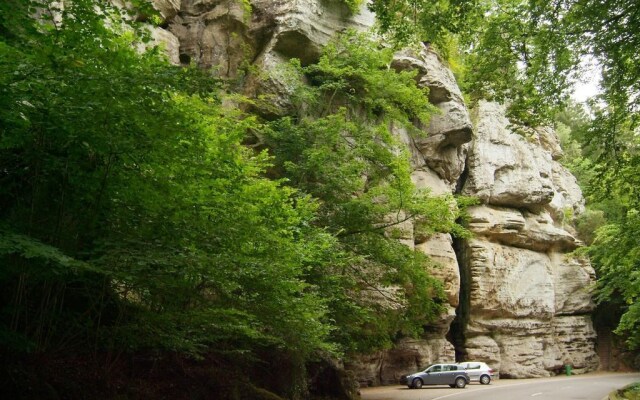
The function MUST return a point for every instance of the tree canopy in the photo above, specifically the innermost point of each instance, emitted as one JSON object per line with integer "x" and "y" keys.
{"x": 527, "y": 52}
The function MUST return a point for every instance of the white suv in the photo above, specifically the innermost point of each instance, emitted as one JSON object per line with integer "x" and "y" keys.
{"x": 478, "y": 371}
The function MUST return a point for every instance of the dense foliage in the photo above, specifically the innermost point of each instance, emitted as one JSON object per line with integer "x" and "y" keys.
{"x": 132, "y": 216}
{"x": 135, "y": 221}
{"x": 611, "y": 183}
{"x": 528, "y": 52}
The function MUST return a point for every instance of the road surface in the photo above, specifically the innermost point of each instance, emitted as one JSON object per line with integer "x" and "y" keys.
{"x": 593, "y": 386}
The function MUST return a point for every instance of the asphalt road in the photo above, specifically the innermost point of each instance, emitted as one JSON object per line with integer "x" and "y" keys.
{"x": 593, "y": 386}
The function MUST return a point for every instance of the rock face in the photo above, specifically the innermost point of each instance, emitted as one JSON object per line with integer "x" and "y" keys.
{"x": 443, "y": 150}
{"x": 520, "y": 300}
{"x": 528, "y": 306}
{"x": 504, "y": 168}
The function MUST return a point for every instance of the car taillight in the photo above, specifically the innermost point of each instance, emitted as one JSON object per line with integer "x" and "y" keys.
{"x": 491, "y": 371}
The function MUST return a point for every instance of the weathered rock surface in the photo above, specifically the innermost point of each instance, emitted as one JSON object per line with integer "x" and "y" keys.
{"x": 504, "y": 168}
{"x": 431, "y": 73}
{"x": 408, "y": 355}
{"x": 444, "y": 146}
{"x": 509, "y": 282}
{"x": 522, "y": 229}
{"x": 425, "y": 178}
{"x": 167, "y": 8}
{"x": 567, "y": 200}
{"x": 168, "y": 42}
{"x": 439, "y": 248}
{"x": 529, "y": 299}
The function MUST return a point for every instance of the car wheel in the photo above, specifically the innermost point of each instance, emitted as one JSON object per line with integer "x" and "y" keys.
{"x": 485, "y": 379}
{"x": 461, "y": 383}
{"x": 417, "y": 383}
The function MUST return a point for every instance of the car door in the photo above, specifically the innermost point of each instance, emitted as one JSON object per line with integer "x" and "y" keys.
{"x": 473, "y": 369}
{"x": 445, "y": 375}
{"x": 448, "y": 376}
{"x": 433, "y": 375}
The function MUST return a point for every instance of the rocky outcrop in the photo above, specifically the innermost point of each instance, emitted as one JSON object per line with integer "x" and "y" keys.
{"x": 444, "y": 147}
{"x": 504, "y": 168}
{"x": 526, "y": 301}
{"x": 388, "y": 367}
{"x": 529, "y": 298}
{"x": 522, "y": 300}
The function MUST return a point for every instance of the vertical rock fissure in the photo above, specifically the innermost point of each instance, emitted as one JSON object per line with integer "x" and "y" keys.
{"x": 456, "y": 333}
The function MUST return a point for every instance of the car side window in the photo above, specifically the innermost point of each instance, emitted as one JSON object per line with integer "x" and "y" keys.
{"x": 435, "y": 368}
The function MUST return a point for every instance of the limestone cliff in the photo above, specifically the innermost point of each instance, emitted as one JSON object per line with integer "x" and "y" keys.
{"x": 520, "y": 301}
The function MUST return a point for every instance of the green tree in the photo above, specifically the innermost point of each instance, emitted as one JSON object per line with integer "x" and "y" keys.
{"x": 132, "y": 217}
{"x": 613, "y": 189}
{"x": 528, "y": 52}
